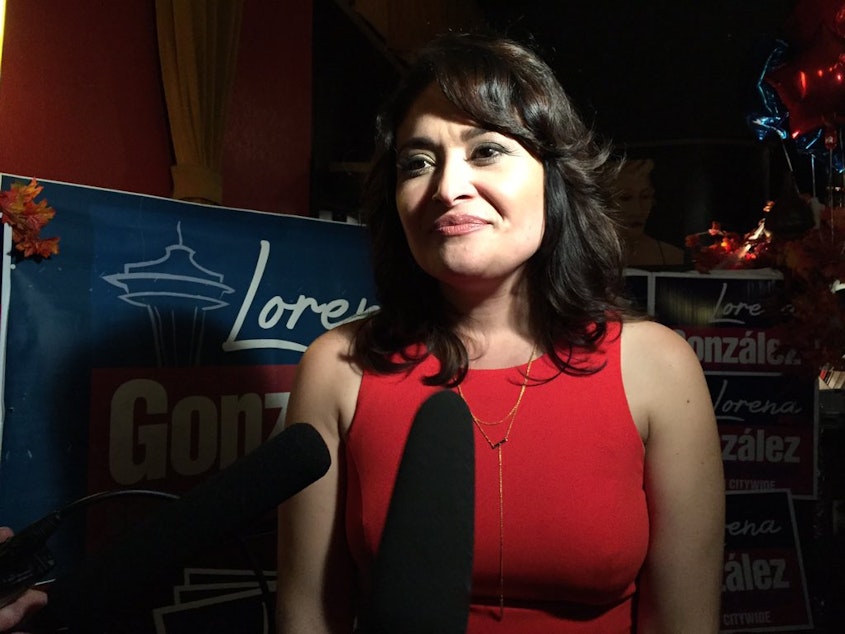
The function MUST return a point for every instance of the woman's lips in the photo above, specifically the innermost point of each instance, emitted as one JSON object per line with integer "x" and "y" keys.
{"x": 458, "y": 225}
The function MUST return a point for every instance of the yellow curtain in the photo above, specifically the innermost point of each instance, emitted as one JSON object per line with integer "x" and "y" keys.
{"x": 198, "y": 45}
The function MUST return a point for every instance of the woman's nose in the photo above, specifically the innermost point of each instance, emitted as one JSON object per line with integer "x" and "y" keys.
{"x": 453, "y": 181}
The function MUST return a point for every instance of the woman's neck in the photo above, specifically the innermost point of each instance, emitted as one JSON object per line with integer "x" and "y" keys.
{"x": 494, "y": 324}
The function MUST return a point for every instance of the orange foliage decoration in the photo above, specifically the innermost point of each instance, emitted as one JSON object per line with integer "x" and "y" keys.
{"x": 813, "y": 267}
{"x": 26, "y": 218}
{"x": 716, "y": 249}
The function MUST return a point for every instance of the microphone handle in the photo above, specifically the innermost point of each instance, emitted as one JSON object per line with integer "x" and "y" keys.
{"x": 423, "y": 569}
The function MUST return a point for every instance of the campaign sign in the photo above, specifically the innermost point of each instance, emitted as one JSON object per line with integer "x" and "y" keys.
{"x": 769, "y": 429}
{"x": 159, "y": 345}
{"x": 727, "y": 319}
{"x": 764, "y": 587}
{"x": 729, "y": 299}
{"x": 767, "y": 412}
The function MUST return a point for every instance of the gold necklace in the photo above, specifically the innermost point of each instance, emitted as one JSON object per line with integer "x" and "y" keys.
{"x": 497, "y": 447}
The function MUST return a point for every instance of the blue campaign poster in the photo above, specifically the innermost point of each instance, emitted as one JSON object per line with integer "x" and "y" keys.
{"x": 159, "y": 345}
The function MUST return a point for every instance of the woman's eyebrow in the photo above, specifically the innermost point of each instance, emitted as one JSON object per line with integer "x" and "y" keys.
{"x": 425, "y": 143}
{"x": 472, "y": 132}
{"x": 417, "y": 143}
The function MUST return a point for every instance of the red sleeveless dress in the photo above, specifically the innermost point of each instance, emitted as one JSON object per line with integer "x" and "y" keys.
{"x": 575, "y": 519}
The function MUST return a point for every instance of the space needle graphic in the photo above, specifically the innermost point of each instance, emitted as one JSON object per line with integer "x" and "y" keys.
{"x": 176, "y": 293}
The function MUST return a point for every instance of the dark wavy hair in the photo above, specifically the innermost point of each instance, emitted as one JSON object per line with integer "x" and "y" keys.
{"x": 574, "y": 280}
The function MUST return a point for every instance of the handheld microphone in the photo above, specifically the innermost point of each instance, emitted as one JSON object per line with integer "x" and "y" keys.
{"x": 423, "y": 569}
{"x": 24, "y": 558}
{"x": 112, "y": 583}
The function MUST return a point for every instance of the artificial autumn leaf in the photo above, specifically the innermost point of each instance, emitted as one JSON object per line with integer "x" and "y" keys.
{"x": 714, "y": 248}
{"x": 42, "y": 248}
{"x": 26, "y": 217}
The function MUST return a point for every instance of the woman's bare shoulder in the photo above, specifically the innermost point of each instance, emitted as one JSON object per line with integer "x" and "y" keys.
{"x": 328, "y": 379}
{"x": 654, "y": 344}
{"x": 335, "y": 345}
{"x": 663, "y": 379}
{"x": 655, "y": 359}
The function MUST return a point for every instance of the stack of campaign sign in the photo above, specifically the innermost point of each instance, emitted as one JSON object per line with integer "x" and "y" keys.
{"x": 766, "y": 408}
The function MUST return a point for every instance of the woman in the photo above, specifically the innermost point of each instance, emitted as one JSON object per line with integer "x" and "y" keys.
{"x": 498, "y": 271}
{"x": 635, "y": 197}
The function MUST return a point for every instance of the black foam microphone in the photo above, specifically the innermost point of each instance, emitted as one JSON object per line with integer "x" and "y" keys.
{"x": 111, "y": 584}
{"x": 423, "y": 569}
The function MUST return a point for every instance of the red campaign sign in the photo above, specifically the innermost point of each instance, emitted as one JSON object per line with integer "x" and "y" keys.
{"x": 762, "y": 590}
{"x": 768, "y": 458}
{"x": 170, "y": 428}
{"x": 768, "y": 426}
{"x": 739, "y": 349}
{"x": 763, "y": 586}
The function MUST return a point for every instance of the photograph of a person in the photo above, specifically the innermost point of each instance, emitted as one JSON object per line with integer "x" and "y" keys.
{"x": 635, "y": 197}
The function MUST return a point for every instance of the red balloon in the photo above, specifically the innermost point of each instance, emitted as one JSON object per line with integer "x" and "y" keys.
{"x": 812, "y": 84}
{"x": 808, "y": 16}
{"x": 838, "y": 25}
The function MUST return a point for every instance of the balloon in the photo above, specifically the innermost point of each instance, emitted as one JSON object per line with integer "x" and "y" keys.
{"x": 814, "y": 144}
{"x": 772, "y": 120}
{"x": 812, "y": 84}
{"x": 808, "y": 16}
{"x": 839, "y": 21}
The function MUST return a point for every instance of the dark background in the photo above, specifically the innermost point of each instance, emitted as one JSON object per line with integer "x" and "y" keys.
{"x": 647, "y": 71}
{"x": 673, "y": 81}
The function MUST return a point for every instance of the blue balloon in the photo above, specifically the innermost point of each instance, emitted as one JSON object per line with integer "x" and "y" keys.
{"x": 774, "y": 115}
{"x": 773, "y": 118}
{"x": 813, "y": 145}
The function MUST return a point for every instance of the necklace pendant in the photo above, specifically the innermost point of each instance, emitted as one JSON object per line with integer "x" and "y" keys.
{"x": 499, "y": 444}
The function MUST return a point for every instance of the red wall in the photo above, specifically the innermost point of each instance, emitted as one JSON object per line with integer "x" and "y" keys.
{"x": 267, "y": 159}
{"x": 81, "y": 100}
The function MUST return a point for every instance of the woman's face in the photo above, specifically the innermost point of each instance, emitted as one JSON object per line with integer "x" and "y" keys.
{"x": 635, "y": 200}
{"x": 471, "y": 201}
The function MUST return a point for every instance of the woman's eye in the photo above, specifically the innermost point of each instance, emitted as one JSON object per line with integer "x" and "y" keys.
{"x": 487, "y": 152}
{"x": 414, "y": 165}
